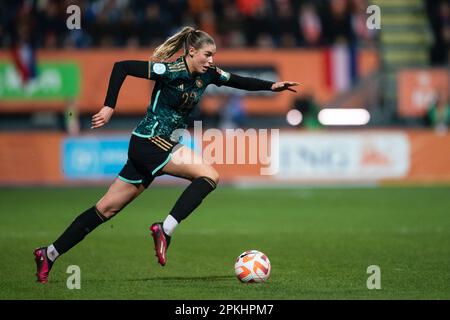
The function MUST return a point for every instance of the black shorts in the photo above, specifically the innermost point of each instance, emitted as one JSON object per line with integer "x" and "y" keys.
{"x": 146, "y": 158}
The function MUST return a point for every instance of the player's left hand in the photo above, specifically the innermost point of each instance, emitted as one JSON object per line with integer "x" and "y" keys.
{"x": 102, "y": 117}
{"x": 284, "y": 85}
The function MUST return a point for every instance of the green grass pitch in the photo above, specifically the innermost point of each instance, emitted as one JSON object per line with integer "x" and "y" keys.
{"x": 319, "y": 241}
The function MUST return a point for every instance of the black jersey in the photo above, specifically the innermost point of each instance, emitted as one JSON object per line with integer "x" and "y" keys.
{"x": 175, "y": 94}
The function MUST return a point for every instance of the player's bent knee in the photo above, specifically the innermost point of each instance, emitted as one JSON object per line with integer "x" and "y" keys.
{"x": 215, "y": 177}
{"x": 211, "y": 174}
{"x": 108, "y": 211}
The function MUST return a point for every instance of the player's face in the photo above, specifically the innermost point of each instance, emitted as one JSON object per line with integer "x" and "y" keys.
{"x": 202, "y": 58}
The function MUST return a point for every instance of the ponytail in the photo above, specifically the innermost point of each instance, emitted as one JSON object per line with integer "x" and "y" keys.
{"x": 186, "y": 38}
{"x": 172, "y": 45}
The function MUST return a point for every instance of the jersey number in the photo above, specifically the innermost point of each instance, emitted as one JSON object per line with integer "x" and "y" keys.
{"x": 188, "y": 99}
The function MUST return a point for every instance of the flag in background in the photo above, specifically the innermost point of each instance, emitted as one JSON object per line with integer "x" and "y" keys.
{"x": 340, "y": 67}
{"x": 25, "y": 61}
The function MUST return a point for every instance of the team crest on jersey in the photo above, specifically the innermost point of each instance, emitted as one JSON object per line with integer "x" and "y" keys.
{"x": 199, "y": 83}
{"x": 159, "y": 68}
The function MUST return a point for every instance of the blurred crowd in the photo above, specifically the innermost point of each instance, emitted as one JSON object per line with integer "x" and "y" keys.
{"x": 142, "y": 23}
{"x": 439, "y": 17}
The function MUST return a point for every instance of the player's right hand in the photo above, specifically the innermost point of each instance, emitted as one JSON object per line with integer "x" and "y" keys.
{"x": 102, "y": 117}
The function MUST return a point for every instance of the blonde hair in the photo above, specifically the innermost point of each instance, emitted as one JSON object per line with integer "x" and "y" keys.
{"x": 187, "y": 37}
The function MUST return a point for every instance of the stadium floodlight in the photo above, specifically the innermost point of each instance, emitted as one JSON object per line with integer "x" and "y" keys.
{"x": 294, "y": 117}
{"x": 344, "y": 116}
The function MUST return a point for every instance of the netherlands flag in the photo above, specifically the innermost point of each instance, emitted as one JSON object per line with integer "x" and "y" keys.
{"x": 340, "y": 67}
{"x": 25, "y": 61}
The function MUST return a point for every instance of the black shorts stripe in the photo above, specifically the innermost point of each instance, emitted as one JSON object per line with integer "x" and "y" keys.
{"x": 165, "y": 148}
{"x": 160, "y": 144}
{"x": 164, "y": 142}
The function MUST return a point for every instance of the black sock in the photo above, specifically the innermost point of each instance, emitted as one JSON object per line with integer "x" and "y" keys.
{"x": 191, "y": 197}
{"x": 80, "y": 227}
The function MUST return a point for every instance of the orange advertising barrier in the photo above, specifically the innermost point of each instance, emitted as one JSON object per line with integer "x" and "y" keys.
{"x": 30, "y": 158}
{"x": 37, "y": 158}
{"x": 430, "y": 156}
{"x": 418, "y": 90}
{"x": 304, "y": 66}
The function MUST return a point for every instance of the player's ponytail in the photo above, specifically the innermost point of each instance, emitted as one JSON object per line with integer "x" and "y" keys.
{"x": 187, "y": 37}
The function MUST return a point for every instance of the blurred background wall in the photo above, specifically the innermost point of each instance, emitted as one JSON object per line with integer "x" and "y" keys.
{"x": 52, "y": 79}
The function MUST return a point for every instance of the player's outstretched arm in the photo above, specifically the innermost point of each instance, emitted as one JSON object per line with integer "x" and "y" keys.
{"x": 254, "y": 84}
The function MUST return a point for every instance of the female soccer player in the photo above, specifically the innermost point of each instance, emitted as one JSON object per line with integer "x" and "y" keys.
{"x": 153, "y": 150}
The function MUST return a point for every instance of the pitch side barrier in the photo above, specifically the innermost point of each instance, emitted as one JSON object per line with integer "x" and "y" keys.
{"x": 255, "y": 157}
